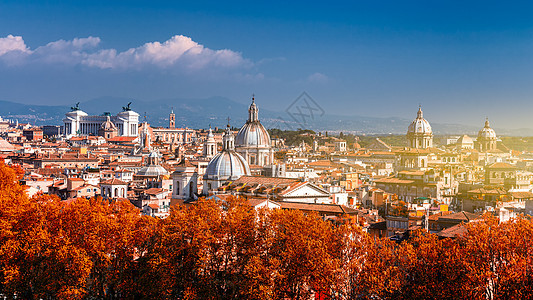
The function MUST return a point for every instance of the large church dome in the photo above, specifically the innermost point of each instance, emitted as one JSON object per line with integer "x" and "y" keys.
{"x": 419, "y": 125}
{"x": 487, "y": 132}
{"x": 253, "y": 133}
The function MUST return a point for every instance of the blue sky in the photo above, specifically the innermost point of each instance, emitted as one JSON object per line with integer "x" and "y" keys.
{"x": 462, "y": 60}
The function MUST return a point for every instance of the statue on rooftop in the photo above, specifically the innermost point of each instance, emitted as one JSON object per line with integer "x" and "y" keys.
{"x": 76, "y": 107}
{"x": 127, "y": 107}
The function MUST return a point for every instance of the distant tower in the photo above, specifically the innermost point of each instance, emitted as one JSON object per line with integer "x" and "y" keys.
{"x": 146, "y": 142}
{"x": 210, "y": 145}
{"x": 172, "y": 120}
{"x": 419, "y": 133}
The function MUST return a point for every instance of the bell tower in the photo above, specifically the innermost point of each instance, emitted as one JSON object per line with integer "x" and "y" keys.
{"x": 172, "y": 120}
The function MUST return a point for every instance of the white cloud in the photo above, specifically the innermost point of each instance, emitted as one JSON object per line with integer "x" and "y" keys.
{"x": 317, "y": 77}
{"x": 13, "y": 44}
{"x": 177, "y": 52}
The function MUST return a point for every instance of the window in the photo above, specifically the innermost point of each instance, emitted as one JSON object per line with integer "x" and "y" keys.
{"x": 88, "y": 190}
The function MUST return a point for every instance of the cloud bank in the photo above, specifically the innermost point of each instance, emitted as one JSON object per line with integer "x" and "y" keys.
{"x": 177, "y": 52}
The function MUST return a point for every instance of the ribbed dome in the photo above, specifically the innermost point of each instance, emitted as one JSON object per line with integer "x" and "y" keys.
{"x": 487, "y": 132}
{"x": 253, "y": 133}
{"x": 227, "y": 165}
{"x": 419, "y": 125}
{"x": 152, "y": 170}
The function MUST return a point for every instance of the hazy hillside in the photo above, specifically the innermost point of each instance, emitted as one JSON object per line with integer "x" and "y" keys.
{"x": 214, "y": 111}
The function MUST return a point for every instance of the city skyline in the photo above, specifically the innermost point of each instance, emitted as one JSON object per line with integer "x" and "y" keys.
{"x": 462, "y": 64}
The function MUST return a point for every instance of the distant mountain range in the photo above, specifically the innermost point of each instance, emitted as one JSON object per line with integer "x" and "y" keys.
{"x": 214, "y": 111}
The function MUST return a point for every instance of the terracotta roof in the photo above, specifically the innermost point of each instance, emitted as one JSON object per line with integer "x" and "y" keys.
{"x": 256, "y": 201}
{"x": 84, "y": 187}
{"x": 393, "y": 180}
{"x": 415, "y": 173}
{"x": 501, "y": 165}
{"x": 522, "y": 195}
{"x": 153, "y": 191}
{"x": 462, "y": 216}
{"x": 327, "y": 208}
{"x": 488, "y": 191}
{"x": 113, "y": 181}
{"x": 453, "y": 232}
{"x": 264, "y": 180}
{"x": 122, "y": 139}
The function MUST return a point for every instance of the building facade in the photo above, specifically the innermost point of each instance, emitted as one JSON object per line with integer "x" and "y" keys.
{"x": 78, "y": 122}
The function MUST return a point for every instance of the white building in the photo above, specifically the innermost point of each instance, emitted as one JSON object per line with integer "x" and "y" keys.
{"x": 114, "y": 188}
{"x": 78, "y": 122}
{"x": 184, "y": 181}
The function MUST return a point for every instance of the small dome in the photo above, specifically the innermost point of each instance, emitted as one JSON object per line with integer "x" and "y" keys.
{"x": 108, "y": 125}
{"x": 487, "y": 132}
{"x": 465, "y": 139}
{"x": 227, "y": 165}
{"x": 419, "y": 125}
{"x": 152, "y": 171}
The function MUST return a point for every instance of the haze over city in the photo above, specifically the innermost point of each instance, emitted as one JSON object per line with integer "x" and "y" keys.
{"x": 463, "y": 61}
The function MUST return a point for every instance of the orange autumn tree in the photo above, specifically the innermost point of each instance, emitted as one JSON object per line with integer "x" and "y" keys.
{"x": 91, "y": 248}
{"x": 369, "y": 266}
{"x": 305, "y": 252}
{"x": 56, "y": 249}
{"x": 208, "y": 250}
{"x": 500, "y": 258}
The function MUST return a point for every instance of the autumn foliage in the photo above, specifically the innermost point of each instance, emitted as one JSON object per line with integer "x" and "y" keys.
{"x": 93, "y": 249}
